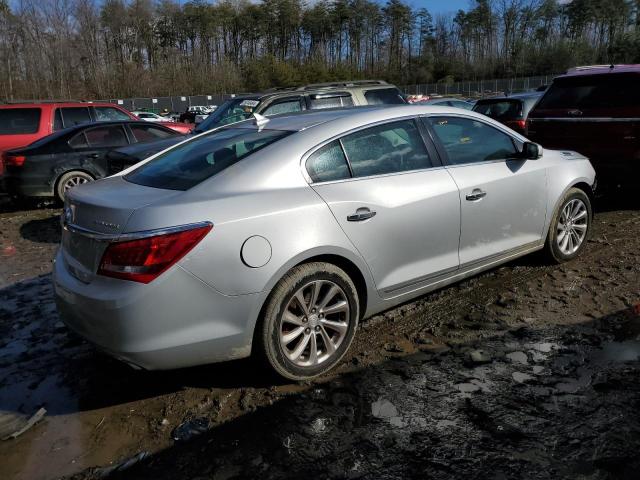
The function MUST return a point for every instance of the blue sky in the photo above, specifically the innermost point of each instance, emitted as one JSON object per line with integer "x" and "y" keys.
{"x": 440, "y": 6}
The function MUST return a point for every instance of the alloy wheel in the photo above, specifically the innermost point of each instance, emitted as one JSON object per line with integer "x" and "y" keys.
{"x": 74, "y": 182}
{"x": 572, "y": 226}
{"x": 314, "y": 323}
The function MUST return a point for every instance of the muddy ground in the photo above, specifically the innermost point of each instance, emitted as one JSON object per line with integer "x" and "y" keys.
{"x": 528, "y": 371}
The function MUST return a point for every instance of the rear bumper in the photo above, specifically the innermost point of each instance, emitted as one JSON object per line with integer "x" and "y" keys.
{"x": 175, "y": 321}
{"x": 31, "y": 187}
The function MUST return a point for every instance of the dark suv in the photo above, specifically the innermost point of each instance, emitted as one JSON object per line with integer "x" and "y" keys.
{"x": 595, "y": 111}
{"x": 511, "y": 110}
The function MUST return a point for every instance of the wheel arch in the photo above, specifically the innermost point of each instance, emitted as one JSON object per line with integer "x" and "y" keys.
{"x": 356, "y": 269}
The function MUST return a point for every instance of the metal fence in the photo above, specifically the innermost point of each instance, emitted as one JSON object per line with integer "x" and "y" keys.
{"x": 468, "y": 89}
{"x": 172, "y": 104}
{"x": 480, "y": 87}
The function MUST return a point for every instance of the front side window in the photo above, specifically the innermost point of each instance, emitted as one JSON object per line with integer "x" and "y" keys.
{"x": 75, "y": 116}
{"x": 106, "y": 114}
{"x": 16, "y": 121}
{"x": 388, "y": 148}
{"x": 193, "y": 162}
{"x": 470, "y": 141}
{"x": 286, "y": 106}
{"x": 328, "y": 163}
{"x": 381, "y": 96}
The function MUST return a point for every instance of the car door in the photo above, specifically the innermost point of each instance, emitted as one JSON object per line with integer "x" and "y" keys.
{"x": 394, "y": 201}
{"x": 503, "y": 198}
{"x": 91, "y": 145}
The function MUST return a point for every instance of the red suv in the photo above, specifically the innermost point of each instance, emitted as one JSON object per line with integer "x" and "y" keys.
{"x": 595, "y": 111}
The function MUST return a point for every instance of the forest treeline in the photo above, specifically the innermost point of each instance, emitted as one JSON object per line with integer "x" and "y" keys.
{"x": 123, "y": 48}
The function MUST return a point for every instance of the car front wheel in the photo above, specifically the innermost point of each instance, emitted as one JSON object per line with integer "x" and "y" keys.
{"x": 570, "y": 227}
{"x": 309, "y": 321}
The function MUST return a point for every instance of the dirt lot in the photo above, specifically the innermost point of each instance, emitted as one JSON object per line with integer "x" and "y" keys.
{"x": 528, "y": 371}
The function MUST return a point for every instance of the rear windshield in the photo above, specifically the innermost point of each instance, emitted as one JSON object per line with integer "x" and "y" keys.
{"x": 383, "y": 96}
{"x": 193, "y": 162}
{"x": 595, "y": 91}
{"x": 499, "y": 109}
{"x": 15, "y": 121}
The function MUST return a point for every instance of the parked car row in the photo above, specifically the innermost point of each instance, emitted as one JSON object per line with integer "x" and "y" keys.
{"x": 51, "y": 167}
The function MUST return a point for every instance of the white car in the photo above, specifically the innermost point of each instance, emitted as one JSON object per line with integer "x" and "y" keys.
{"x": 151, "y": 117}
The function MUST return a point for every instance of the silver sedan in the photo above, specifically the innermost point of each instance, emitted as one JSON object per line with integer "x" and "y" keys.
{"x": 276, "y": 237}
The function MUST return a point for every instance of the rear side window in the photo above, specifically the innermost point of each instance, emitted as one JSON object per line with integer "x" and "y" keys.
{"x": 100, "y": 137}
{"x": 596, "y": 91}
{"x": 500, "y": 109}
{"x": 331, "y": 101}
{"x": 389, "y": 148}
{"x": 469, "y": 141}
{"x": 149, "y": 133}
{"x": 75, "y": 115}
{"x": 16, "y": 121}
{"x": 381, "y": 96}
{"x": 193, "y": 162}
{"x": 328, "y": 163}
{"x": 105, "y": 114}
{"x": 284, "y": 106}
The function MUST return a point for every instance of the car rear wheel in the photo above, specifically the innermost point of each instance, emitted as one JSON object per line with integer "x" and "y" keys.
{"x": 309, "y": 321}
{"x": 70, "y": 180}
{"x": 570, "y": 227}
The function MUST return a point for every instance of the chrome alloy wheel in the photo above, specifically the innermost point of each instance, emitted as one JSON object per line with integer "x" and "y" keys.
{"x": 572, "y": 226}
{"x": 74, "y": 182}
{"x": 314, "y": 323}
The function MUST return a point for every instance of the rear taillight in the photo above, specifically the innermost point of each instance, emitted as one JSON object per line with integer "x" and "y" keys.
{"x": 144, "y": 259}
{"x": 14, "y": 160}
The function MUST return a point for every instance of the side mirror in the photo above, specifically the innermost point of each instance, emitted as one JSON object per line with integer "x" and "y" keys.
{"x": 531, "y": 151}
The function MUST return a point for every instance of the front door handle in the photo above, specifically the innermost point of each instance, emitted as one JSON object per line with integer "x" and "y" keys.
{"x": 476, "y": 194}
{"x": 361, "y": 214}
{"x": 93, "y": 155}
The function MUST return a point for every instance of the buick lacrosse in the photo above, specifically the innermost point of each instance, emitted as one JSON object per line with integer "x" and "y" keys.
{"x": 274, "y": 238}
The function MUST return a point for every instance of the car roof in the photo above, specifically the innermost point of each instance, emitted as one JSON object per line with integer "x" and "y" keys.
{"x": 317, "y": 88}
{"x": 355, "y": 116}
{"x": 601, "y": 70}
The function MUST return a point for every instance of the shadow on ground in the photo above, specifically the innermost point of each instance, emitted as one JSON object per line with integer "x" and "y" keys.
{"x": 556, "y": 402}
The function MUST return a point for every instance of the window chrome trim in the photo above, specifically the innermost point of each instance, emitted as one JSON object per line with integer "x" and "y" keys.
{"x": 122, "y": 237}
{"x": 311, "y": 151}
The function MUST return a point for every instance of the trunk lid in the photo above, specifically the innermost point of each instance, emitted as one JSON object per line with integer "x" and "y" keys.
{"x": 97, "y": 213}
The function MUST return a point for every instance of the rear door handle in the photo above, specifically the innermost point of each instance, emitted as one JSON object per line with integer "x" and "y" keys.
{"x": 476, "y": 194}
{"x": 93, "y": 155}
{"x": 360, "y": 215}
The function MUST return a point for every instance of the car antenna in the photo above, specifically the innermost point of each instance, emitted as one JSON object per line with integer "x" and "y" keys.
{"x": 259, "y": 121}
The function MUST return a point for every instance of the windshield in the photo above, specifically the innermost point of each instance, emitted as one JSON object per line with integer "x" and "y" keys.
{"x": 231, "y": 111}
{"x": 193, "y": 162}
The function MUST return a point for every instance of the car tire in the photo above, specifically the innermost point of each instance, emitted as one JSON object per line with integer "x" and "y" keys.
{"x": 301, "y": 341}
{"x": 69, "y": 180}
{"x": 570, "y": 227}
